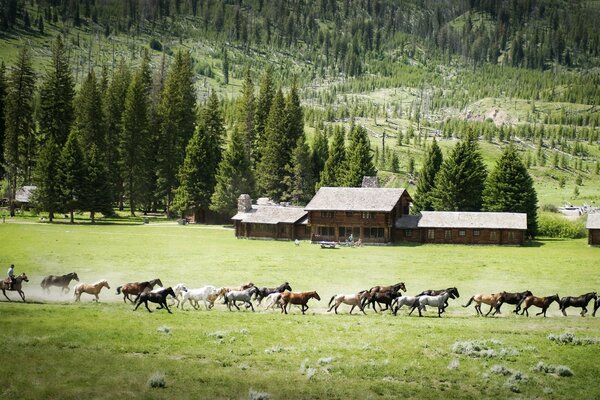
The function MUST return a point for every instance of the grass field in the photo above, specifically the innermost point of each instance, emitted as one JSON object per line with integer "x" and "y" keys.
{"x": 53, "y": 348}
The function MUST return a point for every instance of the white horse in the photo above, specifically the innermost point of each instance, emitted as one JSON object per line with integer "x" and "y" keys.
{"x": 208, "y": 294}
{"x": 403, "y": 301}
{"x": 434, "y": 301}
{"x": 240, "y": 295}
{"x": 273, "y": 300}
{"x": 353, "y": 300}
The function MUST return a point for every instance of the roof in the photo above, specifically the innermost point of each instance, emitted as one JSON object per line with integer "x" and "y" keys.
{"x": 464, "y": 219}
{"x": 24, "y": 194}
{"x": 593, "y": 221}
{"x": 271, "y": 215}
{"x": 355, "y": 199}
{"x": 408, "y": 222}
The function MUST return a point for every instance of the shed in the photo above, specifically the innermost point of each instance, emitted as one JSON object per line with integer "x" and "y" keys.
{"x": 593, "y": 227}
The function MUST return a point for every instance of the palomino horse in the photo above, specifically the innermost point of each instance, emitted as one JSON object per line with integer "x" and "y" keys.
{"x": 580, "y": 301}
{"x": 354, "y": 300}
{"x": 541, "y": 302}
{"x": 136, "y": 288}
{"x": 241, "y": 295}
{"x": 298, "y": 299}
{"x": 511, "y": 298}
{"x": 489, "y": 299}
{"x": 16, "y": 286}
{"x": 403, "y": 301}
{"x": 61, "y": 281}
{"x": 264, "y": 291}
{"x": 438, "y": 301}
{"x": 93, "y": 288}
{"x": 159, "y": 297}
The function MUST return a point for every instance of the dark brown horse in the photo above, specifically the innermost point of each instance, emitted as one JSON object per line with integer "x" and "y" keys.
{"x": 511, "y": 298}
{"x": 137, "y": 288}
{"x": 541, "y": 302}
{"x": 61, "y": 281}
{"x": 579, "y": 301}
{"x": 383, "y": 298}
{"x": 155, "y": 297}
{"x": 16, "y": 286}
{"x": 393, "y": 288}
{"x": 298, "y": 299}
{"x": 265, "y": 291}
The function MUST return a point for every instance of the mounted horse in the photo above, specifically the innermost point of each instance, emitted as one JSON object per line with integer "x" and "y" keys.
{"x": 298, "y": 299}
{"x": 16, "y": 286}
{"x": 489, "y": 299}
{"x": 61, "y": 281}
{"x": 440, "y": 301}
{"x": 579, "y": 301}
{"x": 137, "y": 288}
{"x": 88, "y": 288}
{"x": 159, "y": 297}
{"x": 241, "y": 295}
{"x": 511, "y": 298}
{"x": 354, "y": 300}
{"x": 264, "y": 291}
{"x": 541, "y": 302}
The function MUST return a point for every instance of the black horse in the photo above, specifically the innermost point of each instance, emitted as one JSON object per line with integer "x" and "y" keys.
{"x": 60, "y": 281}
{"x": 265, "y": 291}
{"x": 158, "y": 297}
{"x": 596, "y": 305}
{"x": 511, "y": 298}
{"x": 382, "y": 298}
{"x": 579, "y": 301}
{"x": 452, "y": 290}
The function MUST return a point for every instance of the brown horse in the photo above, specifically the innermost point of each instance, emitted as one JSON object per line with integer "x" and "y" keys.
{"x": 137, "y": 288}
{"x": 61, "y": 281}
{"x": 512, "y": 298}
{"x": 16, "y": 285}
{"x": 383, "y": 289}
{"x": 489, "y": 299}
{"x": 90, "y": 288}
{"x": 298, "y": 299}
{"x": 541, "y": 302}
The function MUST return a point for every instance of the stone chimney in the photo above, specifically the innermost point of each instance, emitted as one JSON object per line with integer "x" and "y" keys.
{"x": 244, "y": 203}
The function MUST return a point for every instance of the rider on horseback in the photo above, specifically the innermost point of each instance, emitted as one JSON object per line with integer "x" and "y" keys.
{"x": 11, "y": 276}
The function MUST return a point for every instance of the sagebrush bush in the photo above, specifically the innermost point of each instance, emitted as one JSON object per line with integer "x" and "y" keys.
{"x": 157, "y": 380}
{"x": 557, "y": 226}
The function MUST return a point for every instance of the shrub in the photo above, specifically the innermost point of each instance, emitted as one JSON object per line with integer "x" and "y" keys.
{"x": 155, "y": 44}
{"x": 569, "y": 338}
{"x": 560, "y": 370}
{"x": 556, "y": 226}
{"x": 157, "y": 380}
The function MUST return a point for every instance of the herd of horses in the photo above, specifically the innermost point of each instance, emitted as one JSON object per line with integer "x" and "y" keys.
{"x": 282, "y": 296}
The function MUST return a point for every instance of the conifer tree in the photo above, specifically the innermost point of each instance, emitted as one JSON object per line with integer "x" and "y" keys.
{"x": 509, "y": 188}
{"x": 359, "y": 161}
{"x": 245, "y": 115}
{"x": 95, "y": 194}
{"x": 263, "y": 106}
{"x": 299, "y": 180}
{"x": 234, "y": 176}
{"x": 89, "y": 118}
{"x": 460, "y": 181}
{"x": 333, "y": 171}
{"x": 47, "y": 194}
{"x": 294, "y": 122}
{"x": 72, "y": 173}
{"x": 177, "y": 111}
{"x": 19, "y": 124}
{"x": 426, "y": 183}
{"x": 225, "y": 67}
{"x": 3, "y": 89}
{"x": 319, "y": 153}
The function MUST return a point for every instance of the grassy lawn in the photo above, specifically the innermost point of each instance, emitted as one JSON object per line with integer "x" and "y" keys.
{"x": 53, "y": 348}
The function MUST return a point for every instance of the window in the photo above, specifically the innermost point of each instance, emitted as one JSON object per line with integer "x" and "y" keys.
{"x": 349, "y": 214}
{"x": 462, "y": 232}
{"x": 493, "y": 235}
{"x": 430, "y": 233}
{"x": 368, "y": 215}
{"x": 326, "y": 231}
{"x": 475, "y": 232}
{"x": 511, "y": 235}
{"x": 408, "y": 232}
{"x": 345, "y": 231}
{"x": 373, "y": 232}
{"x": 448, "y": 234}
{"x": 326, "y": 214}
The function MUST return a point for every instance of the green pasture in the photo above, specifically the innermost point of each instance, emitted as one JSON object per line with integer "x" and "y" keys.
{"x": 53, "y": 348}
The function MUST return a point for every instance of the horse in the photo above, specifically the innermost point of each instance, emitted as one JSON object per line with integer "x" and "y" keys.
{"x": 511, "y": 298}
{"x": 580, "y": 301}
{"x": 241, "y": 295}
{"x": 93, "y": 288}
{"x": 393, "y": 288}
{"x": 541, "y": 302}
{"x": 159, "y": 297}
{"x": 297, "y": 298}
{"x": 61, "y": 281}
{"x": 382, "y": 298}
{"x": 596, "y": 305}
{"x": 400, "y": 301}
{"x": 354, "y": 300}
{"x": 272, "y": 300}
{"x": 16, "y": 285}
{"x": 489, "y": 299}
{"x": 136, "y": 288}
{"x": 178, "y": 289}
{"x": 438, "y": 301}
{"x": 208, "y": 294}
{"x": 264, "y": 291}
{"x": 236, "y": 289}
{"x": 430, "y": 292}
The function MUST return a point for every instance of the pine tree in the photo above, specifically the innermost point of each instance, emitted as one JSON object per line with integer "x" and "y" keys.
{"x": 294, "y": 122}
{"x": 203, "y": 154}
{"x": 234, "y": 176}
{"x": 245, "y": 116}
{"x": 56, "y": 97}
{"x": 177, "y": 111}
{"x": 3, "y": 90}
{"x": 300, "y": 181}
{"x": 319, "y": 153}
{"x": 47, "y": 194}
{"x": 89, "y": 118}
{"x": 263, "y": 106}
{"x": 19, "y": 124}
{"x": 460, "y": 181}
{"x": 426, "y": 183}
{"x": 359, "y": 158}
{"x": 225, "y": 67}
{"x": 96, "y": 195}
{"x": 335, "y": 166}
{"x": 509, "y": 188}
{"x": 72, "y": 173}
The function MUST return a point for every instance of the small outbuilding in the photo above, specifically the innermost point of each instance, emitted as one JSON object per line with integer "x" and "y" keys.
{"x": 593, "y": 227}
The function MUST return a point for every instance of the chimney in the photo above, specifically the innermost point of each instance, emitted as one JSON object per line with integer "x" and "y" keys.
{"x": 244, "y": 203}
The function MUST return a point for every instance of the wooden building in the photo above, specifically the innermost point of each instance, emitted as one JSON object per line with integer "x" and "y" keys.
{"x": 463, "y": 228}
{"x": 593, "y": 227}
{"x": 335, "y": 213}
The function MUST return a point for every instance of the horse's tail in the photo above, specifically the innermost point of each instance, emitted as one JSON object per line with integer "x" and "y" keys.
{"x": 470, "y": 301}
{"x": 331, "y": 301}
{"x": 119, "y": 289}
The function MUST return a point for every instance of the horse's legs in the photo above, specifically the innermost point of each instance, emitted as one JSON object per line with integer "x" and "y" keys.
{"x": 251, "y": 306}
{"x": 3, "y": 292}
{"x": 22, "y": 295}
{"x": 97, "y": 298}
{"x": 352, "y": 308}
{"x": 583, "y": 311}
{"x": 564, "y": 310}
{"x": 146, "y": 304}
{"x": 164, "y": 305}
